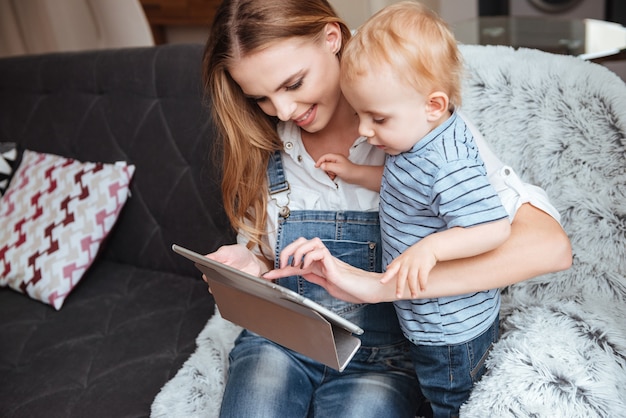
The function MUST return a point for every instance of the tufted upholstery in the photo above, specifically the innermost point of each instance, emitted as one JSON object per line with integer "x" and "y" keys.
{"x": 133, "y": 319}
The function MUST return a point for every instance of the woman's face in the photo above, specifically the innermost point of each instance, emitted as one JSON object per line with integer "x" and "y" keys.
{"x": 294, "y": 79}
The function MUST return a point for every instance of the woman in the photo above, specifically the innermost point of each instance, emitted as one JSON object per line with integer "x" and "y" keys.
{"x": 271, "y": 69}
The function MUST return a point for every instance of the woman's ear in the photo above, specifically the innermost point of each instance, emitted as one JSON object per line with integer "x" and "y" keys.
{"x": 333, "y": 37}
{"x": 437, "y": 105}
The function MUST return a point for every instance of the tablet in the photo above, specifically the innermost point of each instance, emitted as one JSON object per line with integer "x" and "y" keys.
{"x": 278, "y": 314}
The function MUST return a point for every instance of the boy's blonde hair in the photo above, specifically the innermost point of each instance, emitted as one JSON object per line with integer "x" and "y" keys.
{"x": 414, "y": 43}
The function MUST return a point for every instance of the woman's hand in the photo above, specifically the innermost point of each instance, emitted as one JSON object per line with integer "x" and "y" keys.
{"x": 239, "y": 257}
{"x": 313, "y": 261}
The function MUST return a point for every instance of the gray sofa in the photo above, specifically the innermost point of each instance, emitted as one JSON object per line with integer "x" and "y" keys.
{"x": 132, "y": 320}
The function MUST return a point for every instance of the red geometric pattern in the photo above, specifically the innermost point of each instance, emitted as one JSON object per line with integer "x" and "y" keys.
{"x": 55, "y": 214}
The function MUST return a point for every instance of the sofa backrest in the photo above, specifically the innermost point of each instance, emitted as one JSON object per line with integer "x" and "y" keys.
{"x": 141, "y": 105}
{"x": 558, "y": 120}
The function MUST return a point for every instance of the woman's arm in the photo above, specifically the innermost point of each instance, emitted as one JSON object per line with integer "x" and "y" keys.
{"x": 537, "y": 245}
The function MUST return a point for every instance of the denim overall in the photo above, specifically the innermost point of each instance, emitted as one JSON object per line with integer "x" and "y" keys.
{"x": 380, "y": 379}
{"x": 351, "y": 236}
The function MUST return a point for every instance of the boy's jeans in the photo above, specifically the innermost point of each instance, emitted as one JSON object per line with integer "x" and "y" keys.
{"x": 448, "y": 373}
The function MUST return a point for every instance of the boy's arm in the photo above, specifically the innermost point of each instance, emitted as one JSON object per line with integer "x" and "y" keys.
{"x": 455, "y": 243}
{"x": 369, "y": 176}
{"x": 413, "y": 266}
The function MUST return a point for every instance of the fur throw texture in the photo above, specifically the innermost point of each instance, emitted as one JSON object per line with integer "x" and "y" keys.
{"x": 560, "y": 122}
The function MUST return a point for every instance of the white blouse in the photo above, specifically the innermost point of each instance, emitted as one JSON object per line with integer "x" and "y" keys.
{"x": 311, "y": 189}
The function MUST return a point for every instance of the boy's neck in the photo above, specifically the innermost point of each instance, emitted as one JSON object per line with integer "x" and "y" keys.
{"x": 435, "y": 124}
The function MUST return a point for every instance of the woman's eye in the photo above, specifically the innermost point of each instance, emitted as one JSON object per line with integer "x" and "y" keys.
{"x": 294, "y": 86}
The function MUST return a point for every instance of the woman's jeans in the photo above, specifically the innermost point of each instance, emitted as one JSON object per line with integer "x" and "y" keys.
{"x": 267, "y": 380}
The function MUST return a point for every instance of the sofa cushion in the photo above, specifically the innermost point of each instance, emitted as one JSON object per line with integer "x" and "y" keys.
{"x": 55, "y": 215}
{"x": 120, "y": 336}
{"x": 132, "y": 320}
{"x": 8, "y": 156}
{"x": 140, "y": 105}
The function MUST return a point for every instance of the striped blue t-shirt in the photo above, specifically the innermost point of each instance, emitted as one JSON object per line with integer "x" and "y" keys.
{"x": 440, "y": 183}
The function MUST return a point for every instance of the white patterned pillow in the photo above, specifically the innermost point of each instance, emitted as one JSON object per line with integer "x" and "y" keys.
{"x": 55, "y": 214}
{"x": 8, "y": 156}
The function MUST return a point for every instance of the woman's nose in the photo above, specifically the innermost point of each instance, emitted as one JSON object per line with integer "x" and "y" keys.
{"x": 284, "y": 109}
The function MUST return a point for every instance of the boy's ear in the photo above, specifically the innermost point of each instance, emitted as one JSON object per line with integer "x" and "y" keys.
{"x": 333, "y": 37}
{"x": 437, "y": 105}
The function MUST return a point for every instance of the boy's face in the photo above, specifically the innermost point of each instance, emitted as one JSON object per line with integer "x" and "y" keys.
{"x": 392, "y": 114}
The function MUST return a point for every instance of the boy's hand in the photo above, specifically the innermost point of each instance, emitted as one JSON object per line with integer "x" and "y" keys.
{"x": 412, "y": 266}
{"x": 335, "y": 165}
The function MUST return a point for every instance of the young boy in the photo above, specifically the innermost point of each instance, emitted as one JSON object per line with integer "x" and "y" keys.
{"x": 402, "y": 75}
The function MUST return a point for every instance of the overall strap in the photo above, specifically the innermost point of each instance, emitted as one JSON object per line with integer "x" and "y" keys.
{"x": 278, "y": 185}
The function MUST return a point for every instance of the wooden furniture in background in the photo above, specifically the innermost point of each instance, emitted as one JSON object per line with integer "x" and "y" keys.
{"x": 163, "y": 13}
{"x": 43, "y": 26}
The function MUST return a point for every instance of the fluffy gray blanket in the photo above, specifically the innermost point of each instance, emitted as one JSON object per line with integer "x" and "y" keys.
{"x": 561, "y": 123}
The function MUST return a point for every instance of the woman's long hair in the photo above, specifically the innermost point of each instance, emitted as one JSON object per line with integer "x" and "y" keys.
{"x": 247, "y": 136}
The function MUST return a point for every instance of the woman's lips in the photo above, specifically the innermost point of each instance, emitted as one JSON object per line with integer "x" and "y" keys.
{"x": 307, "y": 117}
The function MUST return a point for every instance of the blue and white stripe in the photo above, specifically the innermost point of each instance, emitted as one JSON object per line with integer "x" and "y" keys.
{"x": 440, "y": 183}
